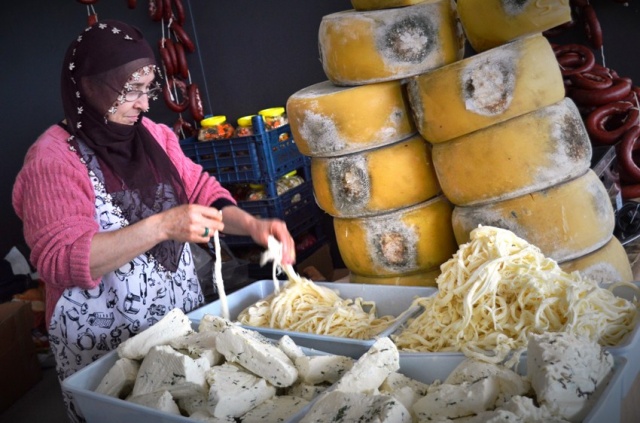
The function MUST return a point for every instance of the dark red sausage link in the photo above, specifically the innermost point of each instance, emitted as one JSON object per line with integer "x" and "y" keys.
{"x": 167, "y": 61}
{"x": 167, "y": 13}
{"x": 155, "y": 10}
{"x": 181, "y": 35}
{"x": 574, "y": 58}
{"x": 171, "y": 48}
{"x": 179, "y": 16}
{"x": 594, "y": 79}
{"x": 616, "y": 92}
{"x": 195, "y": 103}
{"x": 87, "y": 1}
{"x": 183, "y": 129}
{"x": 173, "y": 103}
{"x": 608, "y": 123}
{"x": 181, "y": 60}
{"x": 624, "y": 154}
{"x": 630, "y": 192}
{"x": 592, "y": 27}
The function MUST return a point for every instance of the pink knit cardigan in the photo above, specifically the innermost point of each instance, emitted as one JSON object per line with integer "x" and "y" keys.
{"x": 55, "y": 199}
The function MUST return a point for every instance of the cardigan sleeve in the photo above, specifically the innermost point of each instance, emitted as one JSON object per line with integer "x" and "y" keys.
{"x": 54, "y": 198}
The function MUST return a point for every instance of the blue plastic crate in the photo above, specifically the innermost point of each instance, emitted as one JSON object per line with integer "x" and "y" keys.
{"x": 264, "y": 155}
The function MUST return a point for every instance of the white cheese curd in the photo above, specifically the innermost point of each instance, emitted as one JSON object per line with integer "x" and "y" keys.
{"x": 347, "y": 407}
{"x": 524, "y": 408}
{"x": 160, "y": 400}
{"x": 276, "y": 409}
{"x": 322, "y": 368}
{"x": 199, "y": 344}
{"x": 293, "y": 351}
{"x": 119, "y": 380}
{"x": 306, "y": 391}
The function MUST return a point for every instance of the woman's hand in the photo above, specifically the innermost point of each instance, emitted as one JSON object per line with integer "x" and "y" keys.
{"x": 190, "y": 223}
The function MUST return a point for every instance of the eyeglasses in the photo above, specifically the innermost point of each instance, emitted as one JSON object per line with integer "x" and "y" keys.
{"x": 134, "y": 95}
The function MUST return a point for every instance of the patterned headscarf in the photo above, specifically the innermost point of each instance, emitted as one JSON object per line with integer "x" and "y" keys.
{"x": 97, "y": 70}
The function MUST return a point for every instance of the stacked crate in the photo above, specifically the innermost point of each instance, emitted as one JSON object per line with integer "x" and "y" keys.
{"x": 263, "y": 158}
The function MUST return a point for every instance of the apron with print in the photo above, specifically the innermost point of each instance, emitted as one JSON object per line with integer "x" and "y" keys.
{"x": 88, "y": 323}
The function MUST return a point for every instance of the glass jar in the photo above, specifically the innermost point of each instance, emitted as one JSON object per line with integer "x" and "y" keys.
{"x": 256, "y": 192}
{"x": 274, "y": 117}
{"x": 245, "y": 127}
{"x": 215, "y": 128}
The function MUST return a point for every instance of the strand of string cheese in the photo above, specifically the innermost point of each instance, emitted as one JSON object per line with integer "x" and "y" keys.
{"x": 217, "y": 267}
{"x": 498, "y": 289}
{"x": 303, "y": 306}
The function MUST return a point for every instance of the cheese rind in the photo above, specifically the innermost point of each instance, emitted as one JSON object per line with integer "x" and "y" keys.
{"x": 490, "y": 23}
{"x": 328, "y": 120}
{"x": 403, "y": 242}
{"x": 426, "y": 278}
{"x": 607, "y": 265}
{"x": 565, "y": 221}
{"x": 381, "y": 4}
{"x": 528, "y": 153}
{"x": 375, "y": 181}
{"x": 485, "y": 89}
{"x": 364, "y": 47}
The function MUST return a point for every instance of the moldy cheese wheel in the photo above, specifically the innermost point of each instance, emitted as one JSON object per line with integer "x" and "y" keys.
{"x": 521, "y": 155}
{"x": 381, "y": 4}
{"x": 377, "y": 180}
{"x": 485, "y": 89}
{"x": 358, "y": 48}
{"x": 328, "y": 120}
{"x": 490, "y": 23}
{"x": 411, "y": 240}
{"x": 607, "y": 265}
{"x": 426, "y": 278}
{"x": 565, "y": 221}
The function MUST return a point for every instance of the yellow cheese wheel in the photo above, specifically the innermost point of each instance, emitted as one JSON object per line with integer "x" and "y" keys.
{"x": 521, "y": 155}
{"x": 363, "y": 47}
{"x": 485, "y": 89}
{"x": 328, "y": 120}
{"x": 565, "y": 221}
{"x": 607, "y": 265}
{"x": 490, "y": 23}
{"x": 398, "y": 243}
{"x": 381, "y": 4}
{"x": 375, "y": 181}
{"x": 427, "y": 278}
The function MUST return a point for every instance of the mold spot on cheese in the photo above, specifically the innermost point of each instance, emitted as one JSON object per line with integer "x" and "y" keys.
{"x": 515, "y": 7}
{"x": 349, "y": 181}
{"x": 409, "y": 40}
{"x": 392, "y": 244}
{"x": 321, "y": 133}
{"x": 488, "y": 85}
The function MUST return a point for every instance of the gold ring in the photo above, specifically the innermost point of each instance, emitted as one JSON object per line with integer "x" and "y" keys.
{"x": 206, "y": 232}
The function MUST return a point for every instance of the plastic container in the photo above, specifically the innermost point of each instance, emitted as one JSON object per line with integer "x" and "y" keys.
{"x": 244, "y": 127}
{"x": 215, "y": 128}
{"x": 254, "y": 158}
{"x": 274, "y": 117}
{"x": 390, "y": 300}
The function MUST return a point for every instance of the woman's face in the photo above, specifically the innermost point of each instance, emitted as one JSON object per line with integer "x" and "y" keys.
{"x": 128, "y": 113}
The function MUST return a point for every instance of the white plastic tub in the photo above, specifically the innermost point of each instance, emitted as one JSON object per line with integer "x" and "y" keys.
{"x": 389, "y": 299}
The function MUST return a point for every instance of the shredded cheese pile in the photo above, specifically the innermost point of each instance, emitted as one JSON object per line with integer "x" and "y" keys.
{"x": 303, "y": 306}
{"x": 498, "y": 289}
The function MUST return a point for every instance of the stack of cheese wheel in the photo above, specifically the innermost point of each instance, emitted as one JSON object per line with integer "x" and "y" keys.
{"x": 510, "y": 150}
{"x": 371, "y": 170}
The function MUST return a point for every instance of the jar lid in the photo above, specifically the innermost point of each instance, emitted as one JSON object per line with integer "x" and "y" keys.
{"x": 245, "y": 120}
{"x": 213, "y": 121}
{"x": 256, "y": 186}
{"x": 272, "y": 112}
{"x": 290, "y": 174}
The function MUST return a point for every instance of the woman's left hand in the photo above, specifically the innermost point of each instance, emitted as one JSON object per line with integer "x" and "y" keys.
{"x": 278, "y": 229}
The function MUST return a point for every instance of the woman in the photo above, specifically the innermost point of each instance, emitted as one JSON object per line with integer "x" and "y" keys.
{"x": 110, "y": 204}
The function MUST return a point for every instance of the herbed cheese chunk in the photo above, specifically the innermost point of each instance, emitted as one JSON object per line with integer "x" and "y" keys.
{"x": 166, "y": 369}
{"x": 306, "y": 391}
{"x": 454, "y": 401}
{"x": 322, "y": 368}
{"x": 290, "y": 348}
{"x": 212, "y": 323}
{"x": 524, "y": 408}
{"x": 120, "y": 378}
{"x": 372, "y": 368}
{"x": 195, "y": 403}
{"x": 257, "y": 354}
{"x": 567, "y": 372}
{"x": 173, "y": 325}
{"x": 233, "y": 391}
{"x": 205, "y": 416}
{"x": 347, "y": 407}
{"x": 276, "y": 409}
{"x": 495, "y": 416}
{"x": 160, "y": 400}
{"x": 199, "y": 344}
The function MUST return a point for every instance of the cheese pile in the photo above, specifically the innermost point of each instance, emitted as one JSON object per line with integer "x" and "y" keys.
{"x": 224, "y": 372}
{"x": 498, "y": 289}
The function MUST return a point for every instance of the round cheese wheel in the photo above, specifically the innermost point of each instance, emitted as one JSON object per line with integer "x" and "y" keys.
{"x": 565, "y": 221}
{"x": 398, "y": 243}
{"x": 521, "y": 155}
{"x": 363, "y": 47}
{"x": 607, "y": 265}
{"x": 490, "y": 23}
{"x": 485, "y": 89}
{"x": 328, "y": 120}
{"x": 427, "y": 278}
{"x": 375, "y": 181}
{"x": 381, "y": 4}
